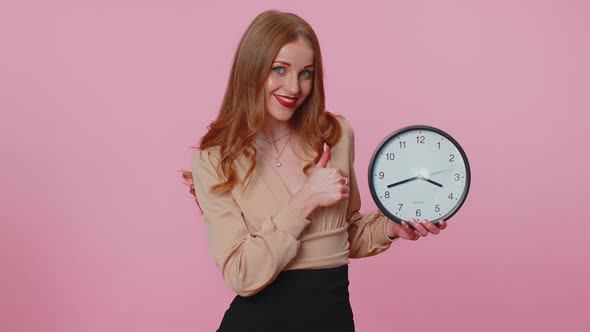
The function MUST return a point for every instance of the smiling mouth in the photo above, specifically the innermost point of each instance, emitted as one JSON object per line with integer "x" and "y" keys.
{"x": 288, "y": 102}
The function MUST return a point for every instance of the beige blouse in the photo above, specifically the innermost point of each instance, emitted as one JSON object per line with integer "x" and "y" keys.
{"x": 255, "y": 234}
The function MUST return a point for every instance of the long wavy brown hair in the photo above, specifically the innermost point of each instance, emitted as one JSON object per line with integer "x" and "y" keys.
{"x": 242, "y": 111}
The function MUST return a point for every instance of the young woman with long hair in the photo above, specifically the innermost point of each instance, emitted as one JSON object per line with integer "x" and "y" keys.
{"x": 275, "y": 180}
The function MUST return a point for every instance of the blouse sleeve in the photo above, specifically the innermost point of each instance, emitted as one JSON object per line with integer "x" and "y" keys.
{"x": 366, "y": 231}
{"x": 247, "y": 259}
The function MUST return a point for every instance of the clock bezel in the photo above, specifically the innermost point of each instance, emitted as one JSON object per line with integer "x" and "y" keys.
{"x": 386, "y": 140}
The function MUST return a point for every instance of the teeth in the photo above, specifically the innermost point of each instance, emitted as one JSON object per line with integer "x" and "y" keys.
{"x": 288, "y": 100}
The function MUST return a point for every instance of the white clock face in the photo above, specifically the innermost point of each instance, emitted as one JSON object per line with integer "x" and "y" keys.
{"x": 419, "y": 172}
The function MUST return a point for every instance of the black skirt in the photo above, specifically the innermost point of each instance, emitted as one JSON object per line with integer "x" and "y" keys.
{"x": 297, "y": 300}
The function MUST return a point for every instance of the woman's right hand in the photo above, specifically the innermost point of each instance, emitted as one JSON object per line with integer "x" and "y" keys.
{"x": 325, "y": 186}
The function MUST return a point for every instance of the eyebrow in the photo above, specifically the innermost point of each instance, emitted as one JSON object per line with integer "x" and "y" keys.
{"x": 289, "y": 65}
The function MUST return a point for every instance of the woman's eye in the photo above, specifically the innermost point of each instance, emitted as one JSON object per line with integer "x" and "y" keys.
{"x": 278, "y": 70}
{"x": 306, "y": 74}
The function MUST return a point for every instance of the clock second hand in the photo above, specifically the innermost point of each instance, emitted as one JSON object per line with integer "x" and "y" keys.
{"x": 424, "y": 177}
{"x": 444, "y": 170}
{"x": 420, "y": 177}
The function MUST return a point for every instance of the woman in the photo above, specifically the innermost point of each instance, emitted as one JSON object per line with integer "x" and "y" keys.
{"x": 274, "y": 178}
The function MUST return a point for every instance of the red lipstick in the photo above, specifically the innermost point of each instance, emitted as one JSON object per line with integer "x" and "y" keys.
{"x": 288, "y": 102}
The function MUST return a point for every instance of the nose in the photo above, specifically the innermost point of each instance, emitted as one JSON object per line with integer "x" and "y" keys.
{"x": 292, "y": 84}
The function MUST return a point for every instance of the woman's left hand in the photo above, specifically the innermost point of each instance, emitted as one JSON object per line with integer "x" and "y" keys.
{"x": 421, "y": 228}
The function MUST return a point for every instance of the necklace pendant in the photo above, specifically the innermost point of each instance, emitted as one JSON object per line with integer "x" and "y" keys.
{"x": 278, "y": 163}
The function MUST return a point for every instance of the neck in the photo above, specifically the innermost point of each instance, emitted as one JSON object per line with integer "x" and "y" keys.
{"x": 273, "y": 128}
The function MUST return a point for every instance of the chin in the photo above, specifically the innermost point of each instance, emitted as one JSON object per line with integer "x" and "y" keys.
{"x": 281, "y": 115}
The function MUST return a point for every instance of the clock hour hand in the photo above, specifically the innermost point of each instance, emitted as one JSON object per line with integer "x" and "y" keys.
{"x": 423, "y": 177}
{"x": 431, "y": 181}
{"x": 403, "y": 181}
{"x": 415, "y": 178}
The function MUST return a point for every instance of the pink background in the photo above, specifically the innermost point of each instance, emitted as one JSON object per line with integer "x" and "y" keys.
{"x": 100, "y": 101}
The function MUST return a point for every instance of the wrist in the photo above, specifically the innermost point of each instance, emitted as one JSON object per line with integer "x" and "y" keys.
{"x": 389, "y": 230}
{"x": 303, "y": 205}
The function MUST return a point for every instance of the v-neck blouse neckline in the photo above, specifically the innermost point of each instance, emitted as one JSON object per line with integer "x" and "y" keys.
{"x": 274, "y": 180}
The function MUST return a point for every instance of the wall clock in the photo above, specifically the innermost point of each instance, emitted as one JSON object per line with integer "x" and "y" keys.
{"x": 419, "y": 172}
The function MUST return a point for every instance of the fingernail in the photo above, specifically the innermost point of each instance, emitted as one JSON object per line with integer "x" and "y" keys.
{"x": 404, "y": 222}
{"x": 325, "y": 146}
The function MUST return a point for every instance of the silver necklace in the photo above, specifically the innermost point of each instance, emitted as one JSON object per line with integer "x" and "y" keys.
{"x": 272, "y": 140}
{"x": 277, "y": 162}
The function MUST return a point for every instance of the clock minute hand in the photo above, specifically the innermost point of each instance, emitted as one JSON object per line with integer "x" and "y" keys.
{"x": 403, "y": 181}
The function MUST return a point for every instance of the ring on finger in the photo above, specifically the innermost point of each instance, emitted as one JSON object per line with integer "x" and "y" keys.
{"x": 345, "y": 181}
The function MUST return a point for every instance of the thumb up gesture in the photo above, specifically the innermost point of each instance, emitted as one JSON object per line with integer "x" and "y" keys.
{"x": 326, "y": 185}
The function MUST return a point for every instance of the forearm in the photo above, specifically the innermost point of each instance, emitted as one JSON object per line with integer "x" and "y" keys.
{"x": 250, "y": 261}
{"x": 367, "y": 235}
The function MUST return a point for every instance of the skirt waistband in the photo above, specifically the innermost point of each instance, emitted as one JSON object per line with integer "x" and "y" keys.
{"x": 311, "y": 279}
{"x": 309, "y": 300}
